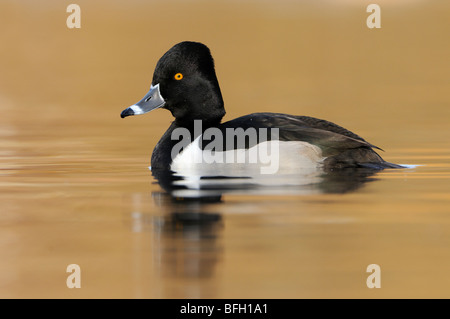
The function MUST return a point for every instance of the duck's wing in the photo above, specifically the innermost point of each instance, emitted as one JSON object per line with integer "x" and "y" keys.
{"x": 326, "y": 126}
{"x": 341, "y": 147}
{"x": 328, "y": 136}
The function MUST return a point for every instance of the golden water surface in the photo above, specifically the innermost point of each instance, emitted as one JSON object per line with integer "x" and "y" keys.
{"x": 74, "y": 181}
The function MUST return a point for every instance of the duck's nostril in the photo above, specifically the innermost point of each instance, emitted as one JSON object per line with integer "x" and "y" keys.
{"x": 148, "y": 99}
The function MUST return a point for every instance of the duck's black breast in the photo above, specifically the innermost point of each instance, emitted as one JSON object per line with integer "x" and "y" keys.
{"x": 340, "y": 147}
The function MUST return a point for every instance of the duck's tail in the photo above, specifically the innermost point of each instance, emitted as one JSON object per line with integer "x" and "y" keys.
{"x": 380, "y": 165}
{"x": 363, "y": 157}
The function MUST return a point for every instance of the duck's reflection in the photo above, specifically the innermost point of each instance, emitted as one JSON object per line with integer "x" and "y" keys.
{"x": 176, "y": 247}
{"x": 187, "y": 231}
{"x": 211, "y": 188}
{"x": 188, "y": 236}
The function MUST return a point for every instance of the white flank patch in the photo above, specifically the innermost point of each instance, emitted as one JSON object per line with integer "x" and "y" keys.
{"x": 267, "y": 158}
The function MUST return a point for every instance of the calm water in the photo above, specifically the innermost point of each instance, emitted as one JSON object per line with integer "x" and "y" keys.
{"x": 75, "y": 186}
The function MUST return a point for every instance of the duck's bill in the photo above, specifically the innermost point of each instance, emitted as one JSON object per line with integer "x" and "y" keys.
{"x": 152, "y": 100}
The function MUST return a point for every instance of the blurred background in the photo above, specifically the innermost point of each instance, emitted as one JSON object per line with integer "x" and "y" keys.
{"x": 75, "y": 187}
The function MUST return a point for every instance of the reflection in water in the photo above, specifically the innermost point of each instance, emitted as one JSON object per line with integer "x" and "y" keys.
{"x": 185, "y": 244}
{"x": 212, "y": 188}
{"x": 186, "y": 238}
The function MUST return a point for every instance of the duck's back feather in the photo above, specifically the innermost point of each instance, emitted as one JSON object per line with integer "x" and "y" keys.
{"x": 341, "y": 147}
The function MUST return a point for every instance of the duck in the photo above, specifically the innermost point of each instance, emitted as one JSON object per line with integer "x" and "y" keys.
{"x": 197, "y": 141}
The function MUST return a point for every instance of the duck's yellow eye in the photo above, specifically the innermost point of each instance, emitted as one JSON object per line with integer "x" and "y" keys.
{"x": 178, "y": 76}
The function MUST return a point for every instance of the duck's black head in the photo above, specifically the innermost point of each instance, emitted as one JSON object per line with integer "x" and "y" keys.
{"x": 185, "y": 83}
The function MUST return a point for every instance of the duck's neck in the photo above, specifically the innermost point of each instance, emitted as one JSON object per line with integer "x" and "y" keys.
{"x": 180, "y": 131}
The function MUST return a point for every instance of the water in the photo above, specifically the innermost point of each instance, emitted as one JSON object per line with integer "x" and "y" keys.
{"x": 75, "y": 186}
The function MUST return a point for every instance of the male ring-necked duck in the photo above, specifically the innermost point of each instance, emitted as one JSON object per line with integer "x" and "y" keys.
{"x": 185, "y": 83}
